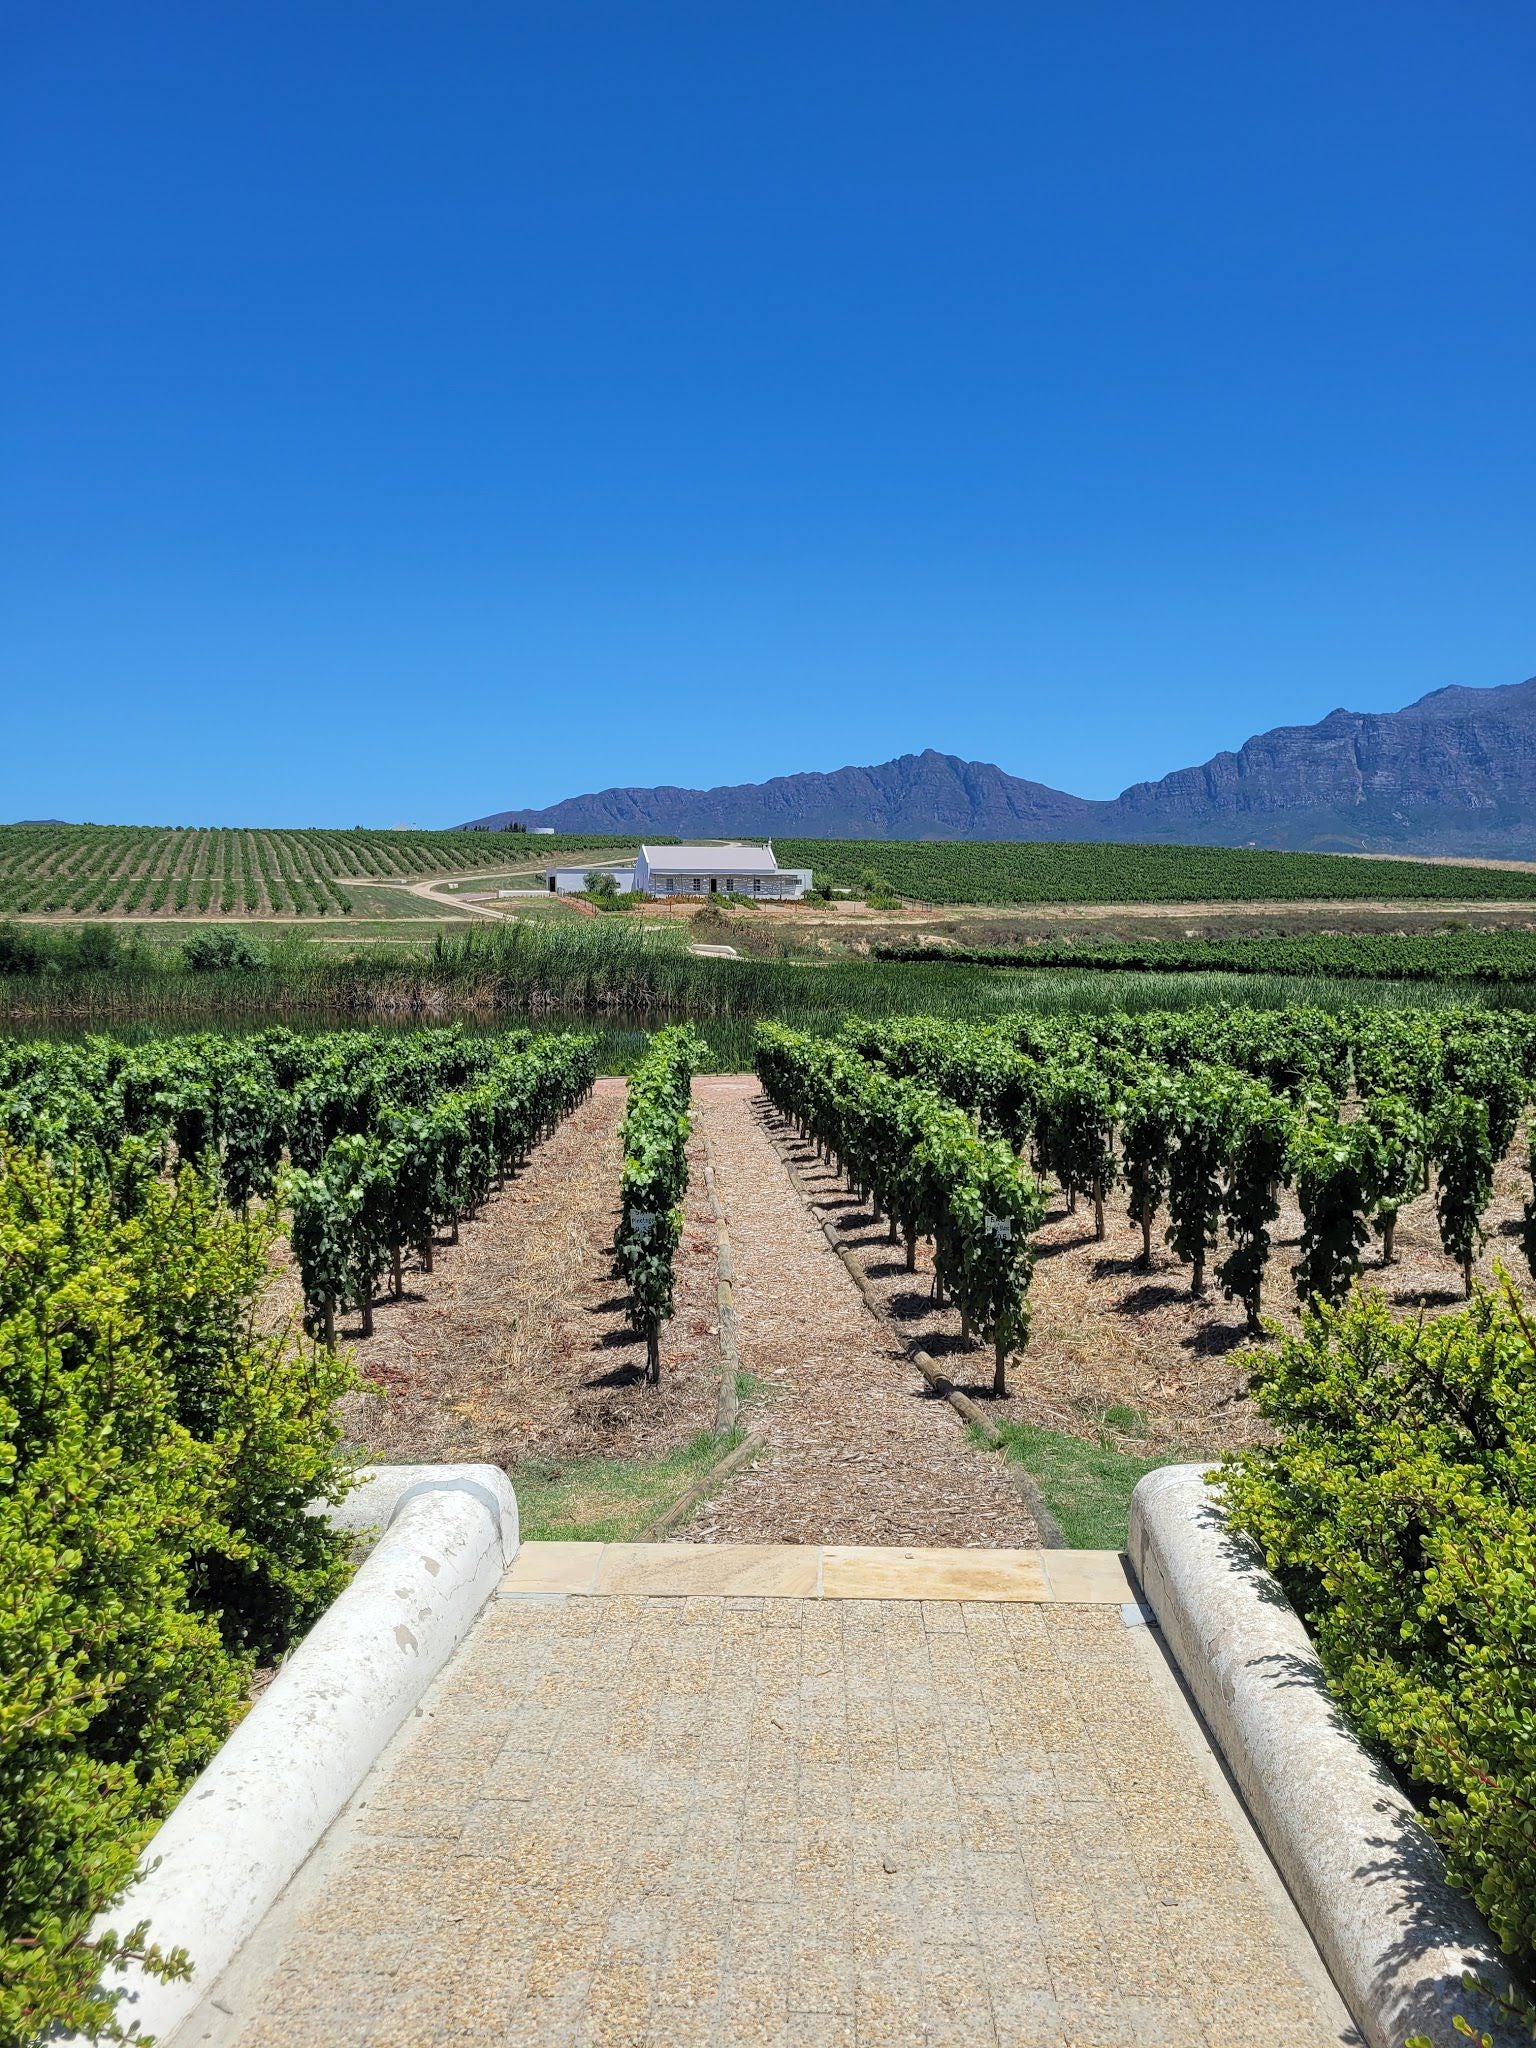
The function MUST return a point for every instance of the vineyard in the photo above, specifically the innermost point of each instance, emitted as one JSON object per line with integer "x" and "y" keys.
{"x": 1022, "y": 871}
{"x": 1488, "y": 957}
{"x": 655, "y": 1179}
{"x": 161, "y": 1439}
{"x": 1201, "y": 1118}
{"x": 385, "y": 1139}
{"x": 161, "y": 871}
{"x": 1265, "y": 1157}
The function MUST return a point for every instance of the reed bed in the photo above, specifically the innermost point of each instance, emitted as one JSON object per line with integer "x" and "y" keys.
{"x": 627, "y": 981}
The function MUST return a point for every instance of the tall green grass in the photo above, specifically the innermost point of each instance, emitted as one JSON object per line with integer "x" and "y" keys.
{"x": 615, "y": 974}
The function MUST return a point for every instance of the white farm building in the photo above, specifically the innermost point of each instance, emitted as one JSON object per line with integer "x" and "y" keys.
{"x": 729, "y": 870}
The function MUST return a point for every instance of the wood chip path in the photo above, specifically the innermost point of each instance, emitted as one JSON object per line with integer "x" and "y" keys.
{"x": 858, "y": 1449}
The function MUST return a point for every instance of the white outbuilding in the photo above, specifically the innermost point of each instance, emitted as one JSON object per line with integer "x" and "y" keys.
{"x": 572, "y": 881}
{"x": 734, "y": 869}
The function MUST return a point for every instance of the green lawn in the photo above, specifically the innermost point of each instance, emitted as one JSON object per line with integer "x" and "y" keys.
{"x": 385, "y": 899}
{"x": 1086, "y": 1485}
{"x": 530, "y": 873}
{"x": 608, "y": 1500}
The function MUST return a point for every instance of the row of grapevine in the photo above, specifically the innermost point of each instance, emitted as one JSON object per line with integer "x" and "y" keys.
{"x": 919, "y": 1159}
{"x": 654, "y": 1181}
{"x": 1491, "y": 957}
{"x": 1208, "y": 1115}
{"x": 1034, "y": 871}
{"x": 388, "y": 1137}
{"x": 147, "y": 871}
{"x": 379, "y": 1192}
{"x": 163, "y": 1439}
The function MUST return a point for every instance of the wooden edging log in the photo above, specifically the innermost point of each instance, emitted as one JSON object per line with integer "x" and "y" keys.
{"x": 683, "y": 1506}
{"x": 1050, "y": 1530}
{"x": 730, "y": 1354}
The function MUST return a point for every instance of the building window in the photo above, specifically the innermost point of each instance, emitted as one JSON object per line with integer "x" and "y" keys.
{"x": 698, "y": 885}
{"x": 757, "y": 887}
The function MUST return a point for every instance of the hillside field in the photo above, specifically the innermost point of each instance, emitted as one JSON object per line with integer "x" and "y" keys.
{"x": 175, "y": 871}
{"x": 1022, "y": 871}
{"x": 148, "y": 872}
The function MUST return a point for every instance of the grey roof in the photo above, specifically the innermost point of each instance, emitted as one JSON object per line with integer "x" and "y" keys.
{"x": 718, "y": 860}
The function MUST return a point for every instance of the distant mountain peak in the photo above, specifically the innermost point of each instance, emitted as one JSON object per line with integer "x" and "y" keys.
{"x": 1454, "y": 772}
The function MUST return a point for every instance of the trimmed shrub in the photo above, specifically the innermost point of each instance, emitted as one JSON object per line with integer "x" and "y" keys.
{"x": 157, "y": 1454}
{"x": 218, "y": 949}
{"x": 1399, "y": 1510}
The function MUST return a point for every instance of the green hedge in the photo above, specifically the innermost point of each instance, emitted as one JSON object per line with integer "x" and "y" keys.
{"x": 157, "y": 1455}
{"x": 1398, "y": 1507}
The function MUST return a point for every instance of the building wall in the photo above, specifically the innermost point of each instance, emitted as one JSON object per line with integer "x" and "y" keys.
{"x": 572, "y": 881}
{"x": 786, "y": 886}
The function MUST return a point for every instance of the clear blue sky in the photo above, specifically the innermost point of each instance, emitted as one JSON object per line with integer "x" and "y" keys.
{"x": 410, "y": 411}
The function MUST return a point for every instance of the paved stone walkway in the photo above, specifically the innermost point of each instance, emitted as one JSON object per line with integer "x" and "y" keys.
{"x": 731, "y": 1817}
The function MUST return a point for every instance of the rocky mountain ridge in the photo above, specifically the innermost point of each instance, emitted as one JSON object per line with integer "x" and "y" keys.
{"x": 1452, "y": 773}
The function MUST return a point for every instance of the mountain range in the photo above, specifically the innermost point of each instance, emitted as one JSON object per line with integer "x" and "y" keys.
{"x": 1453, "y": 773}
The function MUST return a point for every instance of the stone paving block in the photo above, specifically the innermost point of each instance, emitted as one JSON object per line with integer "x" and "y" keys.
{"x": 1106, "y": 2022}
{"x": 1100, "y": 1577}
{"x": 775, "y": 1570}
{"x": 888, "y": 2010}
{"x": 1026, "y": 2016}
{"x": 820, "y": 2030}
{"x": 688, "y": 1820}
{"x": 765, "y": 1870}
{"x": 681, "y": 2026}
{"x": 693, "y": 1972}
{"x": 553, "y": 1568}
{"x": 754, "y": 1998}
{"x": 560, "y": 1961}
{"x": 821, "y": 1974}
{"x": 914, "y": 1573}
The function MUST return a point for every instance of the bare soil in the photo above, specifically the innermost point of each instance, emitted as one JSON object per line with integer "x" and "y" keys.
{"x": 770, "y": 930}
{"x": 516, "y": 1347}
{"x": 1110, "y": 1335}
{"x": 1108, "y": 1332}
